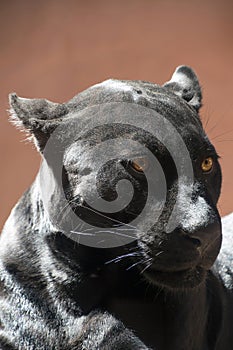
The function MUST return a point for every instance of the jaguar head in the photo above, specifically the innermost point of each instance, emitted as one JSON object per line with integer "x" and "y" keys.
{"x": 128, "y": 163}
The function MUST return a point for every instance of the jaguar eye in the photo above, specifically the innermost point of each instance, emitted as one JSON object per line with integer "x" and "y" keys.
{"x": 207, "y": 164}
{"x": 140, "y": 164}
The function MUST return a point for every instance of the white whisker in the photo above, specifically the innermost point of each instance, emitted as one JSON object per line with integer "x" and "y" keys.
{"x": 148, "y": 264}
{"x": 135, "y": 264}
{"x": 115, "y": 220}
{"x": 119, "y": 258}
{"x": 82, "y": 233}
{"x": 115, "y": 233}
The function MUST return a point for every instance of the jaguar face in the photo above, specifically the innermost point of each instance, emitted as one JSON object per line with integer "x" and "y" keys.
{"x": 127, "y": 146}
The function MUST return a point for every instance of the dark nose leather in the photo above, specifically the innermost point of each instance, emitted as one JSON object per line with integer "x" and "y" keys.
{"x": 206, "y": 236}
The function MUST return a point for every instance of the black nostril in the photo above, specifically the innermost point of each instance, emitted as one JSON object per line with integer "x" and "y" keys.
{"x": 206, "y": 237}
{"x": 195, "y": 241}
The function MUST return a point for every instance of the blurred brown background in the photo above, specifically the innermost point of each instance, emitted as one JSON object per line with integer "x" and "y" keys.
{"x": 54, "y": 49}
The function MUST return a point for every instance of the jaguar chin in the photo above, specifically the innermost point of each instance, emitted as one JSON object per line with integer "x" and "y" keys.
{"x": 182, "y": 279}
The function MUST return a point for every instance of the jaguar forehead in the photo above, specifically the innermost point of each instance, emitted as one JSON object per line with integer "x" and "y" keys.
{"x": 117, "y": 86}
{"x": 114, "y": 84}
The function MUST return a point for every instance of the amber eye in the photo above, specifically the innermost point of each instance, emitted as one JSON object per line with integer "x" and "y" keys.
{"x": 140, "y": 164}
{"x": 207, "y": 164}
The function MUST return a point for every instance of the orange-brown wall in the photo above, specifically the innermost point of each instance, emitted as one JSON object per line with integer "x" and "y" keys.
{"x": 54, "y": 49}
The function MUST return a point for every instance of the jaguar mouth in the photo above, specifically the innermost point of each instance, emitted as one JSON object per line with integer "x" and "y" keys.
{"x": 178, "y": 279}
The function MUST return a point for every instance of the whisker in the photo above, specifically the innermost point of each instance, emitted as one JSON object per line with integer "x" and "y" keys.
{"x": 148, "y": 264}
{"x": 107, "y": 217}
{"x": 213, "y": 127}
{"x": 68, "y": 202}
{"x": 126, "y": 229}
{"x": 82, "y": 233}
{"x": 121, "y": 257}
{"x": 118, "y": 222}
{"x": 229, "y": 140}
{"x": 115, "y": 233}
{"x": 157, "y": 254}
{"x": 123, "y": 229}
{"x": 135, "y": 264}
{"x": 207, "y": 121}
{"x": 224, "y": 133}
{"x": 96, "y": 232}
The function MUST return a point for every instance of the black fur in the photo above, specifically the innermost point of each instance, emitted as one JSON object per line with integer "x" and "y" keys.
{"x": 162, "y": 290}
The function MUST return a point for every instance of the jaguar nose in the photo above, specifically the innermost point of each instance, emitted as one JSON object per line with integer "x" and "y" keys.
{"x": 205, "y": 237}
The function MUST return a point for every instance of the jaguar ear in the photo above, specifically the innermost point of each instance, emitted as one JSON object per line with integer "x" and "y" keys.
{"x": 38, "y": 117}
{"x": 185, "y": 84}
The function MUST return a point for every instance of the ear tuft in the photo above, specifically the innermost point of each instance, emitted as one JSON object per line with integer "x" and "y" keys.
{"x": 18, "y": 115}
{"x": 38, "y": 117}
{"x": 185, "y": 84}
